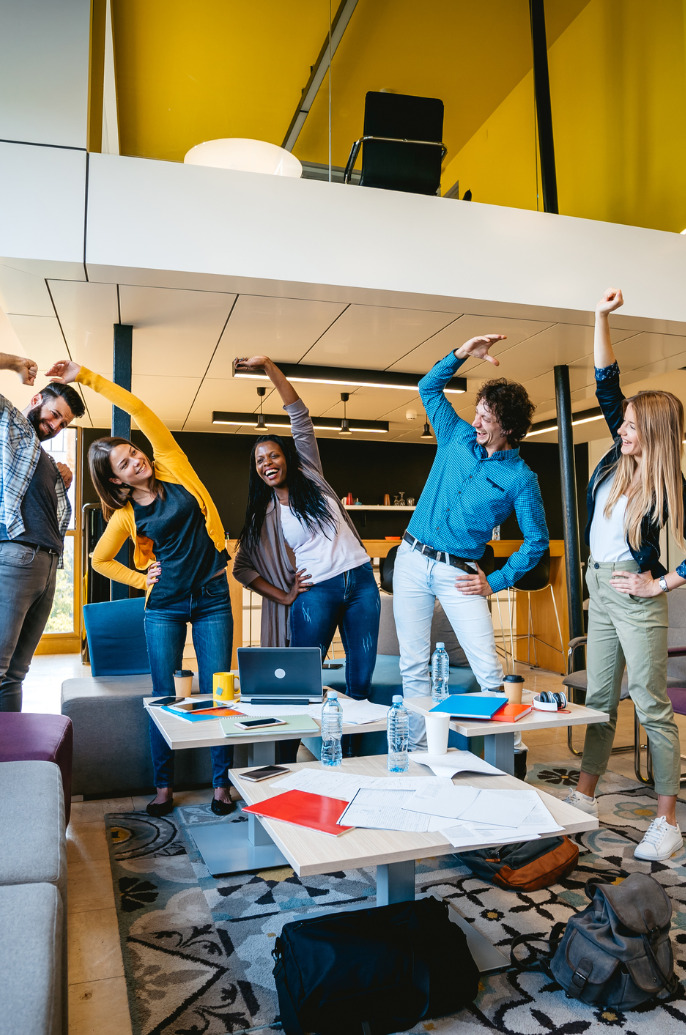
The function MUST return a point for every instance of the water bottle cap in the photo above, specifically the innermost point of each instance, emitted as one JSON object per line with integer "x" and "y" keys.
{"x": 438, "y": 644}
{"x": 332, "y": 695}
{"x": 397, "y": 699}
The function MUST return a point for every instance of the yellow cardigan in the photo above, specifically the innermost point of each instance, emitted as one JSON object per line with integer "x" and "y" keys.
{"x": 171, "y": 465}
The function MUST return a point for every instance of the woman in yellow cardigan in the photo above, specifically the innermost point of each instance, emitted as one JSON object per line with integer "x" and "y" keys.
{"x": 179, "y": 540}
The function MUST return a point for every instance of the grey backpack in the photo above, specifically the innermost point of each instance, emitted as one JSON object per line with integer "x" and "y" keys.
{"x": 616, "y": 951}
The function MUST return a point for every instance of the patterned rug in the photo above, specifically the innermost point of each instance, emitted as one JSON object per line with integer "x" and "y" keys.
{"x": 197, "y": 949}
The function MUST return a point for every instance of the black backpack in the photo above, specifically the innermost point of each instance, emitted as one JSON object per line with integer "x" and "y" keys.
{"x": 615, "y": 952}
{"x": 386, "y": 967}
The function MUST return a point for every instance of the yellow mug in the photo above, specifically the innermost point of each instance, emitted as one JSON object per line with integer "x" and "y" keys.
{"x": 223, "y": 687}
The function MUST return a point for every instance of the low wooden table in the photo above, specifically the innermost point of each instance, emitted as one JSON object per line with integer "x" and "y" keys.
{"x": 499, "y": 736}
{"x": 233, "y": 847}
{"x": 392, "y": 852}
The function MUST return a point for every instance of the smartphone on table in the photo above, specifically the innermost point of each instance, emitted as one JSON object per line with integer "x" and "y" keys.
{"x": 265, "y": 772}
{"x": 258, "y": 723}
{"x": 157, "y": 702}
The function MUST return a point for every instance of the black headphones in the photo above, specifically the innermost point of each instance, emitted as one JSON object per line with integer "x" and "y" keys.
{"x": 550, "y": 701}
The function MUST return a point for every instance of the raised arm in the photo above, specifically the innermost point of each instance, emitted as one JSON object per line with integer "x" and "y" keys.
{"x": 608, "y": 391}
{"x": 26, "y": 368}
{"x": 603, "y": 353}
{"x": 441, "y": 414}
{"x": 153, "y": 428}
{"x": 304, "y": 438}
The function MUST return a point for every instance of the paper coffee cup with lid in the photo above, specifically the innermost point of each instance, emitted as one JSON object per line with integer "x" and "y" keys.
{"x": 512, "y": 688}
{"x": 183, "y": 682}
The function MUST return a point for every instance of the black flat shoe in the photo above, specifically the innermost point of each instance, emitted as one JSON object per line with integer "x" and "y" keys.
{"x": 159, "y": 808}
{"x": 222, "y": 808}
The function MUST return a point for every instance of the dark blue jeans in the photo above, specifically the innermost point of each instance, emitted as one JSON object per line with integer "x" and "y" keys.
{"x": 209, "y": 612}
{"x": 351, "y": 602}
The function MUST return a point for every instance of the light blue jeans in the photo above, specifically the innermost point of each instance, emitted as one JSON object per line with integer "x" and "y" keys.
{"x": 417, "y": 583}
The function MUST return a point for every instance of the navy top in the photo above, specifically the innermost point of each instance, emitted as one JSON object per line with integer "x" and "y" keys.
{"x": 468, "y": 492}
{"x": 189, "y": 558}
{"x": 610, "y": 397}
{"x": 39, "y": 507}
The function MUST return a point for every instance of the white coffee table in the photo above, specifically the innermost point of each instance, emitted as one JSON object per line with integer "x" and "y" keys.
{"x": 392, "y": 852}
{"x": 235, "y": 847}
{"x": 499, "y": 736}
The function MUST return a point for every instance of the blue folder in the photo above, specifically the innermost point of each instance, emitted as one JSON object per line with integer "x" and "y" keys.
{"x": 471, "y": 706}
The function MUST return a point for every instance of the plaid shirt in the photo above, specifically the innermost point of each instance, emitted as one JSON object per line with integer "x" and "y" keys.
{"x": 19, "y": 453}
{"x": 467, "y": 492}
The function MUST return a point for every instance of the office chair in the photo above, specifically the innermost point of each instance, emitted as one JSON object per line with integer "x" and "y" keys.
{"x": 116, "y": 638}
{"x": 402, "y": 147}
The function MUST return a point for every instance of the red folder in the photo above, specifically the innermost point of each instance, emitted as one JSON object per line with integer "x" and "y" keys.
{"x": 304, "y": 809}
{"x": 511, "y": 712}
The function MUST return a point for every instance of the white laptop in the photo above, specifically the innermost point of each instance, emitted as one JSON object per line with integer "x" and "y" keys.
{"x": 280, "y": 675}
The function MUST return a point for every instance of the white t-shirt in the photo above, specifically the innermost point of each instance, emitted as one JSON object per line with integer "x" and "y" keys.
{"x": 322, "y": 553}
{"x": 607, "y": 537}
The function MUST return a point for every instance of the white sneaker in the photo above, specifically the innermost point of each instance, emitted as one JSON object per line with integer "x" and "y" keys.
{"x": 660, "y": 841}
{"x": 583, "y": 802}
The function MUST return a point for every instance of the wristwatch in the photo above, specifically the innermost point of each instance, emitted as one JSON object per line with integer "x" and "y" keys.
{"x": 663, "y": 584}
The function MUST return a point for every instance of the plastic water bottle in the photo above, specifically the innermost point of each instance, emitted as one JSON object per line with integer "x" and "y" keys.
{"x": 398, "y": 736}
{"x": 332, "y": 730}
{"x": 440, "y": 673}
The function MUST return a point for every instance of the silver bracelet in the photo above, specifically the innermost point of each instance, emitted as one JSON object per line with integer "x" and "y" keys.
{"x": 663, "y": 584}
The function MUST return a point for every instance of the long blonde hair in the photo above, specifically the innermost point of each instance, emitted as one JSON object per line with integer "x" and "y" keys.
{"x": 658, "y": 491}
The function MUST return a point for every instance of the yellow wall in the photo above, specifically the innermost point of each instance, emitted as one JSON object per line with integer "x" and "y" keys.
{"x": 618, "y": 97}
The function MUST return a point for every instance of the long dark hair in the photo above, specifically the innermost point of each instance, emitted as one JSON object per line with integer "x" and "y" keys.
{"x": 306, "y": 499}
{"x": 112, "y": 497}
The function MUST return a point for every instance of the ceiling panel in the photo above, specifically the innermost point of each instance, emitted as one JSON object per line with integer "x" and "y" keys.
{"x": 173, "y": 329}
{"x": 461, "y": 330}
{"x": 281, "y": 328}
{"x": 375, "y": 337}
{"x": 169, "y": 397}
{"x": 87, "y": 313}
{"x": 40, "y": 337}
{"x": 23, "y": 292}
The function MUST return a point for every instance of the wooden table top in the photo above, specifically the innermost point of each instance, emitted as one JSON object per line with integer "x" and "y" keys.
{"x": 312, "y": 852}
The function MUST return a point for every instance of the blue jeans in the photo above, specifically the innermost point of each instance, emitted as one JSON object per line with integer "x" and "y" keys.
{"x": 27, "y": 588}
{"x": 351, "y": 602}
{"x": 209, "y": 612}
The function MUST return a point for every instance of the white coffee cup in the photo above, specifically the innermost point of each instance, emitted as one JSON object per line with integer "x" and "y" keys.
{"x": 437, "y": 730}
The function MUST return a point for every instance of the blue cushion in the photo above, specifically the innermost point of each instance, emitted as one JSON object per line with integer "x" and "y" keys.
{"x": 116, "y": 637}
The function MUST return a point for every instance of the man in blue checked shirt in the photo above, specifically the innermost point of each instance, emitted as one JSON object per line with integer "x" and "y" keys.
{"x": 34, "y": 515}
{"x": 477, "y": 480}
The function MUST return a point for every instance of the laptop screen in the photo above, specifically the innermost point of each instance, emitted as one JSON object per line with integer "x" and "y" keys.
{"x": 280, "y": 675}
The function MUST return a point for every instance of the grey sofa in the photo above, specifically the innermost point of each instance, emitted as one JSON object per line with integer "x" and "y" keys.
{"x": 111, "y": 745}
{"x": 33, "y": 899}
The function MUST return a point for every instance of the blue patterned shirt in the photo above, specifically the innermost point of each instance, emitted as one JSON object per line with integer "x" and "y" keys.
{"x": 19, "y": 453}
{"x": 467, "y": 492}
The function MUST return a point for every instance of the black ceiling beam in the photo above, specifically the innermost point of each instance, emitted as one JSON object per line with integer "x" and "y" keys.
{"x": 544, "y": 116}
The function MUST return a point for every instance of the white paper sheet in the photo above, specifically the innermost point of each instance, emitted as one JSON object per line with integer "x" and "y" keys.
{"x": 383, "y": 810}
{"x": 346, "y": 785}
{"x": 500, "y": 808}
{"x": 464, "y": 835}
{"x": 455, "y": 761}
{"x": 360, "y": 712}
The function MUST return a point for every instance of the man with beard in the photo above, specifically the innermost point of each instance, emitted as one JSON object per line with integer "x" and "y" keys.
{"x": 34, "y": 515}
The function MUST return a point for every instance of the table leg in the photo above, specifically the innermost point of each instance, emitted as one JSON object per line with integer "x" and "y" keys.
{"x": 395, "y": 882}
{"x": 499, "y": 751}
{"x": 228, "y": 847}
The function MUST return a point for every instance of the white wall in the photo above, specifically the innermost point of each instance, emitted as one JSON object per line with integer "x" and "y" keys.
{"x": 44, "y": 55}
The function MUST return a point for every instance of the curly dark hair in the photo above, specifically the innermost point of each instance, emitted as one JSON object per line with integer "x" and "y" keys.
{"x": 306, "y": 499}
{"x": 511, "y": 405}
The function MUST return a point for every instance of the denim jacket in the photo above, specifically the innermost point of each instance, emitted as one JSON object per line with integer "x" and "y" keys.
{"x": 610, "y": 397}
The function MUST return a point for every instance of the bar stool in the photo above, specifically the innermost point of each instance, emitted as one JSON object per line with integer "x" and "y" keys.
{"x": 535, "y": 581}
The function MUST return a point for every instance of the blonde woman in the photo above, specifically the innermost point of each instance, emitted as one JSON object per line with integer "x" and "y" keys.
{"x": 635, "y": 490}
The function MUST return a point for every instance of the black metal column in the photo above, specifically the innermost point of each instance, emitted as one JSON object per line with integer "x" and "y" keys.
{"x": 544, "y": 116}
{"x": 570, "y": 513}
{"x": 121, "y": 422}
